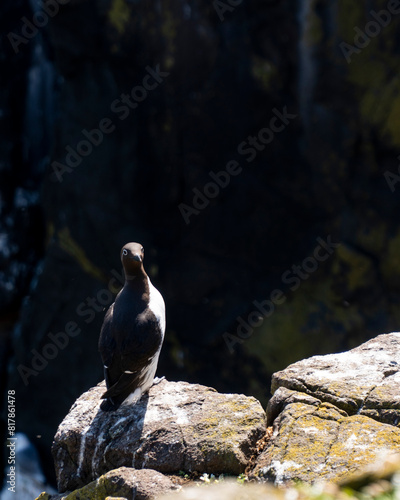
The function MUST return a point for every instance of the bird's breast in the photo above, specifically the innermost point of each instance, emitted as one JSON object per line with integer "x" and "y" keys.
{"x": 157, "y": 306}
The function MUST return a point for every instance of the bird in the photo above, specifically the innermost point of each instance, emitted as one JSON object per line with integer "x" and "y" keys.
{"x": 132, "y": 334}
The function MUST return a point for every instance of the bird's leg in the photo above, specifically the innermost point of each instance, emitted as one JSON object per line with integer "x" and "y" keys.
{"x": 157, "y": 380}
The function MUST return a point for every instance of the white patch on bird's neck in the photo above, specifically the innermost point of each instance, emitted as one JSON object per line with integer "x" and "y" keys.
{"x": 157, "y": 305}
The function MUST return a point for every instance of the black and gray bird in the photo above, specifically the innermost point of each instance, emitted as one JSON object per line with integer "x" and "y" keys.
{"x": 132, "y": 333}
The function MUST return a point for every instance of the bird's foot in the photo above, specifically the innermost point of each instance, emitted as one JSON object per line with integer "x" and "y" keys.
{"x": 108, "y": 405}
{"x": 157, "y": 380}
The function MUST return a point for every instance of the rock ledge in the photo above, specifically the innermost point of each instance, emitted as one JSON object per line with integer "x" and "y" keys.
{"x": 176, "y": 426}
{"x": 334, "y": 415}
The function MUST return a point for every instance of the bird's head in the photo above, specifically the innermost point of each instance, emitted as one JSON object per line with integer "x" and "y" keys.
{"x": 132, "y": 255}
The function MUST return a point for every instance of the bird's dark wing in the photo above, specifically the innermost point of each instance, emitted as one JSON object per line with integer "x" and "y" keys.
{"x": 107, "y": 343}
{"x": 128, "y": 355}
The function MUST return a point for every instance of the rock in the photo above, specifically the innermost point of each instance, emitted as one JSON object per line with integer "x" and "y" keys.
{"x": 176, "y": 426}
{"x": 47, "y": 496}
{"x": 227, "y": 490}
{"x": 364, "y": 380}
{"x": 334, "y": 415}
{"x": 124, "y": 483}
{"x": 386, "y": 470}
{"x": 127, "y": 483}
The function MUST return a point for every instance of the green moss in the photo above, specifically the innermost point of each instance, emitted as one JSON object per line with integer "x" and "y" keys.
{"x": 314, "y": 319}
{"x": 169, "y": 31}
{"x": 350, "y": 14}
{"x": 302, "y": 325}
{"x": 103, "y": 487}
{"x": 119, "y": 15}
{"x": 49, "y": 233}
{"x": 390, "y": 262}
{"x": 373, "y": 71}
{"x": 314, "y": 33}
{"x": 380, "y": 101}
{"x": 264, "y": 72}
{"x": 69, "y": 245}
{"x": 88, "y": 492}
{"x": 359, "y": 269}
{"x": 392, "y": 125}
{"x": 373, "y": 238}
{"x": 43, "y": 496}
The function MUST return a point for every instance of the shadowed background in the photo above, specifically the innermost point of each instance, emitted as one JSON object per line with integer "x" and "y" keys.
{"x": 322, "y": 175}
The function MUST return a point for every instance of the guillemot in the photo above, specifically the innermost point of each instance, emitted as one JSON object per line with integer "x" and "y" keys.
{"x": 132, "y": 333}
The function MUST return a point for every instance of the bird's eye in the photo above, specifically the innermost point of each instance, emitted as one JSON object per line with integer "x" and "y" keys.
{"x": 142, "y": 249}
{"x": 124, "y": 251}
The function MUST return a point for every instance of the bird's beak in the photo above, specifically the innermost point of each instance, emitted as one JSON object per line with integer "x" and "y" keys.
{"x": 137, "y": 257}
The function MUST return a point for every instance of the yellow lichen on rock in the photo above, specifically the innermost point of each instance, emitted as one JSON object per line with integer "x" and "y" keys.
{"x": 360, "y": 442}
{"x": 43, "y": 496}
{"x": 312, "y": 443}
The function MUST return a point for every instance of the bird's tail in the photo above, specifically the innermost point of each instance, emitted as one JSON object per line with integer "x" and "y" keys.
{"x": 109, "y": 405}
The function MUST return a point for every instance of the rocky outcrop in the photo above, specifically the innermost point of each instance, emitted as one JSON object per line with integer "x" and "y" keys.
{"x": 331, "y": 416}
{"x": 376, "y": 483}
{"x": 124, "y": 482}
{"x": 176, "y": 426}
{"x": 335, "y": 414}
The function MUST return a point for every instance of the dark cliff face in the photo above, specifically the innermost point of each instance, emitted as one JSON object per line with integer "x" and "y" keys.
{"x": 21, "y": 218}
{"x": 149, "y": 98}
